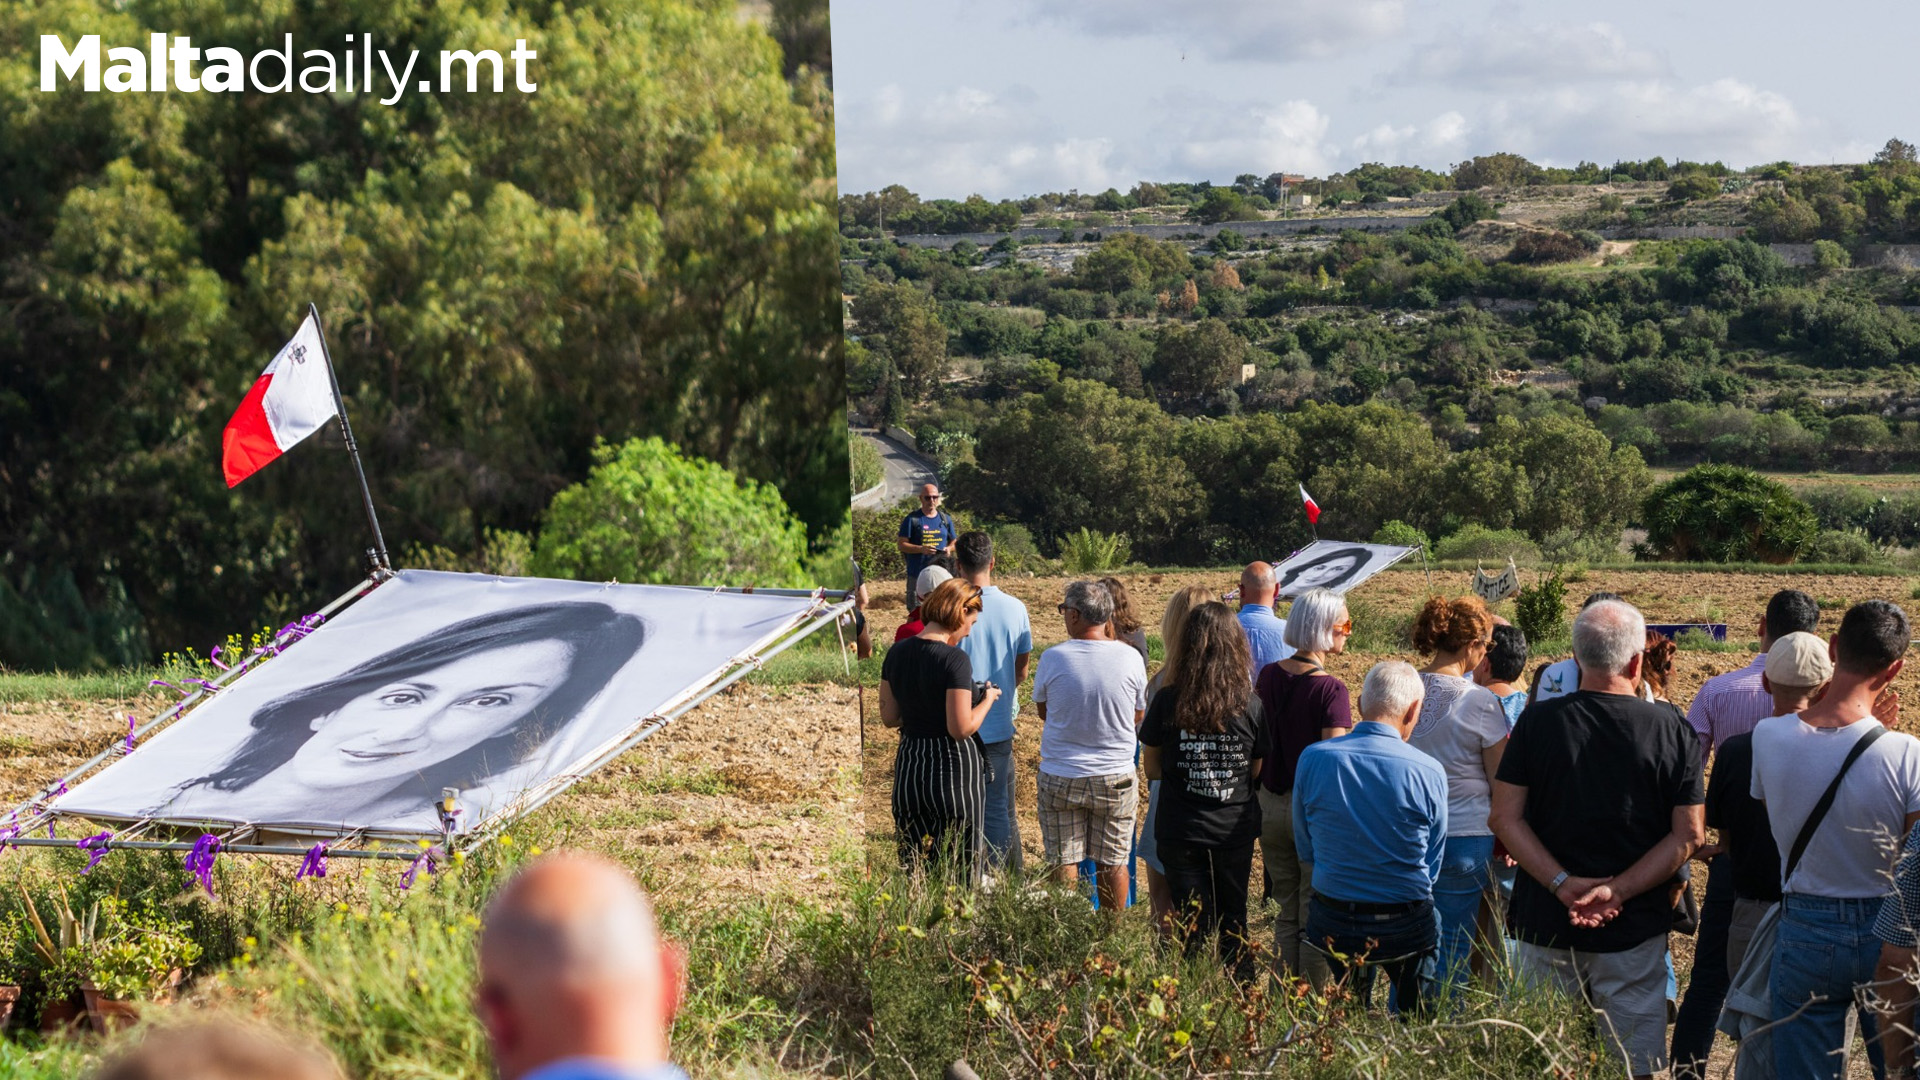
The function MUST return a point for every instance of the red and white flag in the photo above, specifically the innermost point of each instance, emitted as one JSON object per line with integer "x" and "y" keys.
{"x": 289, "y": 402}
{"x": 1313, "y": 508}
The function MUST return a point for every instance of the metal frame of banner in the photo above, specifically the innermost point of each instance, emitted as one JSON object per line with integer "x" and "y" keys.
{"x": 409, "y": 850}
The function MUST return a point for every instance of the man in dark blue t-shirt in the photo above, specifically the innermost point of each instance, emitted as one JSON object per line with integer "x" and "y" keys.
{"x": 924, "y": 534}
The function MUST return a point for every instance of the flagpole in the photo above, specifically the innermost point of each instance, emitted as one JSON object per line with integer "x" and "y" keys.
{"x": 379, "y": 552}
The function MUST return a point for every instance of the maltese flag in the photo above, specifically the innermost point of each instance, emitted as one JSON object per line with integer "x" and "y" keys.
{"x": 1313, "y": 508}
{"x": 289, "y": 402}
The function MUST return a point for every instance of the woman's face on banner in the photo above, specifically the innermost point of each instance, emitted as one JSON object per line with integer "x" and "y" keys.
{"x": 1326, "y": 574}
{"x": 411, "y": 724}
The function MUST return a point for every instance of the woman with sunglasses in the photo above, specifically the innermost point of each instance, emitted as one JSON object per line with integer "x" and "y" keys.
{"x": 939, "y": 772}
{"x": 1463, "y": 727}
{"x": 1301, "y": 704}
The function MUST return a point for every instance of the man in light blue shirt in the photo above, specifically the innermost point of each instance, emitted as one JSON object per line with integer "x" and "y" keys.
{"x": 575, "y": 983}
{"x": 1265, "y": 630}
{"x": 1000, "y": 646}
{"x": 1370, "y": 815}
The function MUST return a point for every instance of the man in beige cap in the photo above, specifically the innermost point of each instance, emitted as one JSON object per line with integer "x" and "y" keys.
{"x": 575, "y": 983}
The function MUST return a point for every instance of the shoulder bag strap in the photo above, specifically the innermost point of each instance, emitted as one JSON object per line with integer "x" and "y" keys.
{"x": 1826, "y": 803}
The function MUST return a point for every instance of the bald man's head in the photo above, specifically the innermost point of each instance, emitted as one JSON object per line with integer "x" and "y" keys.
{"x": 572, "y": 965}
{"x": 1258, "y": 584}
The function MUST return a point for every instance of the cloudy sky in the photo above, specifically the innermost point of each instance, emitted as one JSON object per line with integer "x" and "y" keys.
{"x": 1015, "y": 97}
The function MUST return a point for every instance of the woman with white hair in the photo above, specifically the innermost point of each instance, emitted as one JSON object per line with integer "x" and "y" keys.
{"x": 1302, "y": 704}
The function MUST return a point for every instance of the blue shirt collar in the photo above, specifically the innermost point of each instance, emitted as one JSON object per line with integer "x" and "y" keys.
{"x": 1376, "y": 728}
{"x": 1263, "y": 609}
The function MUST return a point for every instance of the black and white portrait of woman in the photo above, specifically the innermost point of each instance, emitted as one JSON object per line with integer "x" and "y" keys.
{"x": 487, "y": 686}
{"x": 1335, "y": 565}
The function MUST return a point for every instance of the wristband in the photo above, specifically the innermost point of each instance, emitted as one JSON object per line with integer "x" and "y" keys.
{"x": 1558, "y": 881}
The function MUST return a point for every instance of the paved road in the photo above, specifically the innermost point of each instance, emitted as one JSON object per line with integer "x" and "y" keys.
{"x": 905, "y": 470}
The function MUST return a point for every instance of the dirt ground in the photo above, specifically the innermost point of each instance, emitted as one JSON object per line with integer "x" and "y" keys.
{"x": 1737, "y": 599}
{"x": 754, "y": 793}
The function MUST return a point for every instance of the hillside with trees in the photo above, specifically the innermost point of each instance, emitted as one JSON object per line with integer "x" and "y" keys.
{"x": 1513, "y": 348}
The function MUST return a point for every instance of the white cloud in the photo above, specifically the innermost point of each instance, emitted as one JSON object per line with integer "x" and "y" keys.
{"x": 1726, "y": 119}
{"x": 965, "y": 140}
{"x": 1502, "y": 54}
{"x": 1444, "y": 135}
{"x": 1198, "y": 137}
{"x": 1248, "y": 30}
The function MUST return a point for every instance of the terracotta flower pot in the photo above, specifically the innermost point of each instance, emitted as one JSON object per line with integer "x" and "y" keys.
{"x": 61, "y": 1015}
{"x": 9, "y": 997}
{"x": 108, "y": 1015}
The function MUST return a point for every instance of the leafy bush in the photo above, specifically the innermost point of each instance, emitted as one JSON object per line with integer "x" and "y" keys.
{"x": 1476, "y": 541}
{"x": 1466, "y": 210}
{"x": 874, "y": 533}
{"x": 1084, "y": 551}
{"x": 1540, "y": 609}
{"x": 648, "y": 514}
{"x": 1014, "y": 551}
{"x": 1401, "y": 534}
{"x": 1843, "y": 546}
{"x": 1574, "y": 546}
{"x": 864, "y": 459}
{"x": 1724, "y": 513}
{"x": 1547, "y": 247}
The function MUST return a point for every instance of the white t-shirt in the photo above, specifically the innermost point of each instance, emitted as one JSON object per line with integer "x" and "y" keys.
{"x": 1851, "y": 855}
{"x": 1091, "y": 690}
{"x": 1558, "y": 679}
{"x": 1458, "y": 721}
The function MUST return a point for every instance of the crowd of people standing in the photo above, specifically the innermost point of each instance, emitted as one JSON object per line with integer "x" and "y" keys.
{"x": 1454, "y": 827}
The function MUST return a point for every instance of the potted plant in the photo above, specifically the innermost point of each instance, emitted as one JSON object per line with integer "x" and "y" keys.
{"x": 13, "y": 942}
{"x": 62, "y": 957}
{"x": 142, "y": 962}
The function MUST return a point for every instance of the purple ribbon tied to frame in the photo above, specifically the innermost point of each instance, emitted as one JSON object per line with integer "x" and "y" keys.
{"x": 315, "y": 864}
{"x": 200, "y": 860}
{"x": 294, "y": 631}
{"x": 96, "y": 848}
{"x": 426, "y": 860}
{"x": 132, "y": 724}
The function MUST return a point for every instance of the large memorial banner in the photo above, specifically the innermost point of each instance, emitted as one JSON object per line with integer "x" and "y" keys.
{"x": 497, "y": 688}
{"x": 1338, "y": 565}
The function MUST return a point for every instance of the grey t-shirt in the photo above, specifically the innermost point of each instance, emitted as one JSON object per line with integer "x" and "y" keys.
{"x": 1091, "y": 690}
{"x": 1458, "y": 721}
{"x": 1852, "y": 854}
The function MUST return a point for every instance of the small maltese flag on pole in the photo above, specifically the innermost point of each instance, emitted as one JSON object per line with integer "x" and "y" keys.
{"x": 1313, "y": 508}
{"x": 289, "y": 402}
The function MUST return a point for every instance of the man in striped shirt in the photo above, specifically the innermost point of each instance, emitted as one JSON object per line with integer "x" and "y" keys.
{"x": 1728, "y": 705}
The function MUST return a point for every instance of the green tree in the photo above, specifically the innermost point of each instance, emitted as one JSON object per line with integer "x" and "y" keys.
{"x": 1131, "y": 261}
{"x": 1466, "y": 210}
{"x": 1693, "y": 186}
{"x": 1559, "y": 472}
{"x": 1724, "y": 513}
{"x": 650, "y": 515}
{"x": 1082, "y": 456}
{"x": 1224, "y": 204}
{"x": 1496, "y": 171}
{"x": 1201, "y": 360}
{"x": 903, "y": 324}
{"x": 1370, "y": 464}
{"x": 645, "y": 246}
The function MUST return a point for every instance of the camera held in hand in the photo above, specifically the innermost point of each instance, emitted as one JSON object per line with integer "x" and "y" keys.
{"x": 980, "y": 688}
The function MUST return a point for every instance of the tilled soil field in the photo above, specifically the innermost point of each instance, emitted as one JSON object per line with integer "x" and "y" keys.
{"x": 752, "y": 793}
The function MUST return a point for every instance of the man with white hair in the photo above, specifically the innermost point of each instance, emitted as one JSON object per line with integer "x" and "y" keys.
{"x": 1598, "y": 798}
{"x": 1091, "y": 693}
{"x": 1266, "y": 632}
{"x": 1370, "y": 814}
{"x": 575, "y": 983}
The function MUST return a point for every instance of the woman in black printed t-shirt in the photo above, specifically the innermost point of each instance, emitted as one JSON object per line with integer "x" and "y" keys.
{"x": 939, "y": 772}
{"x": 1204, "y": 740}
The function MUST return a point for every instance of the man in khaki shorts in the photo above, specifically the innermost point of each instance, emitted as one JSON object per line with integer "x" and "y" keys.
{"x": 1091, "y": 692}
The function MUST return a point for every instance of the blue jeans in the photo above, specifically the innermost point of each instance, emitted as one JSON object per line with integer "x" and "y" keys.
{"x": 1400, "y": 944}
{"x": 1464, "y": 878}
{"x": 1826, "y": 948}
{"x": 1002, "y": 827}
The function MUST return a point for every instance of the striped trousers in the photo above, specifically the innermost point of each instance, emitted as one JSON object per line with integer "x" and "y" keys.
{"x": 940, "y": 801}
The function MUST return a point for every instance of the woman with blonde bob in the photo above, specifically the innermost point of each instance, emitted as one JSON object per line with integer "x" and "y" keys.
{"x": 1463, "y": 727}
{"x": 1302, "y": 704}
{"x": 1173, "y": 627}
{"x": 939, "y": 772}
